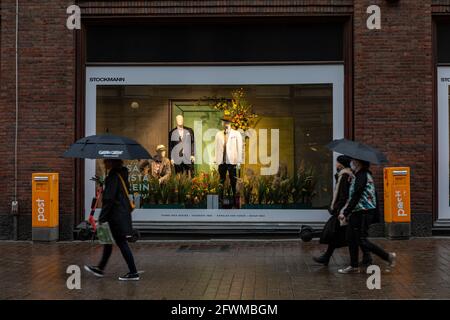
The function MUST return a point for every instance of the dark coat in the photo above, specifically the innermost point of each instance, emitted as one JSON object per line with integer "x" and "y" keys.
{"x": 333, "y": 232}
{"x": 116, "y": 209}
{"x": 182, "y": 146}
{"x": 342, "y": 195}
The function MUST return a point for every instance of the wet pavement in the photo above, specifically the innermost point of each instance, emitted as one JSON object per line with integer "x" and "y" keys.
{"x": 272, "y": 269}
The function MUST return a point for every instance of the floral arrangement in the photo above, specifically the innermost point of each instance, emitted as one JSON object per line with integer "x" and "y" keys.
{"x": 204, "y": 184}
{"x": 261, "y": 190}
{"x": 238, "y": 109}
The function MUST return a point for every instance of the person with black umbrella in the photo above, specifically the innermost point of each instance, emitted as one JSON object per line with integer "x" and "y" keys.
{"x": 116, "y": 210}
{"x": 333, "y": 233}
{"x": 117, "y": 206}
{"x": 360, "y": 210}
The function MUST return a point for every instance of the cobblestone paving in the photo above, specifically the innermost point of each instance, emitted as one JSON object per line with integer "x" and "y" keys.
{"x": 222, "y": 270}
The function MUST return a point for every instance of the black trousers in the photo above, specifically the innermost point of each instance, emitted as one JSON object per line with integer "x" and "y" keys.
{"x": 184, "y": 168}
{"x": 231, "y": 169}
{"x": 357, "y": 232}
{"x": 126, "y": 253}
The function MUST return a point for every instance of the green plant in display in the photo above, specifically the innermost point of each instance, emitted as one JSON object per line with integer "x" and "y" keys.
{"x": 285, "y": 190}
{"x": 154, "y": 192}
{"x": 248, "y": 186}
{"x": 304, "y": 185}
{"x": 213, "y": 180}
{"x": 164, "y": 190}
{"x": 262, "y": 189}
{"x": 171, "y": 185}
{"x": 279, "y": 191}
{"x": 183, "y": 185}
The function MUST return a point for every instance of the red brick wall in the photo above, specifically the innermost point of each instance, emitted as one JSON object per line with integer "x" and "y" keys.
{"x": 46, "y": 101}
{"x": 393, "y": 90}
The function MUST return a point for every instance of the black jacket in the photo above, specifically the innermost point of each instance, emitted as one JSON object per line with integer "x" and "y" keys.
{"x": 185, "y": 157}
{"x": 116, "y": 209}
{"x": 332, "y": 232}
{"x": 342, "y": 195}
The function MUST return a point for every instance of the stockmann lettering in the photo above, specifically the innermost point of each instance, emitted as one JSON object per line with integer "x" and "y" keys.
{"x": 107, "y": 79}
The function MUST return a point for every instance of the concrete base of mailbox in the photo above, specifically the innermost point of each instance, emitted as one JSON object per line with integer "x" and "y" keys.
{"x": 397, "y": 230}
{"x": 45, "y": 234}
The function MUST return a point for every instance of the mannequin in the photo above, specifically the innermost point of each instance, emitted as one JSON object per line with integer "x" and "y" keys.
{"x": 181, "y": 147}
{"x": 228, "y": 146}
{"x": 159, "y": 168}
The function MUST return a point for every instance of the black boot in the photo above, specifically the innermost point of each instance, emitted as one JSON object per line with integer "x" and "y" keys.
{"x": 323, "y": 259}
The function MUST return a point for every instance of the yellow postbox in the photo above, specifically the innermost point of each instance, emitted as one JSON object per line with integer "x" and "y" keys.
{"x": 397, "y": 198}
{"x": 45, "y": 206}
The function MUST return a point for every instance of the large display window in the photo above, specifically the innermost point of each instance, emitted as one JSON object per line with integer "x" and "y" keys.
{"x": 286, "y": 115}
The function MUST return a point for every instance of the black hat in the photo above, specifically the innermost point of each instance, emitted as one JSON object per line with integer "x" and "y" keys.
{"x": 344, "y": 160}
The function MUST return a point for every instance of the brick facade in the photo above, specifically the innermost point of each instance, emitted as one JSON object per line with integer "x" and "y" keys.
{"x": 392, "y": 88}
{"x": 46, "y": 104}
{"x": 393, "y": 92}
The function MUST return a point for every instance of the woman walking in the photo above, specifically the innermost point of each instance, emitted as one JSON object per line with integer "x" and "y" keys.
{"x": 359, "y": 212}
{"x": 333, "y": 233}
{"x": 116, "y": 210}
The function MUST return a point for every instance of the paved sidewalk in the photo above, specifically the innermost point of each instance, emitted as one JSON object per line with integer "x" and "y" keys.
{"x": 222, "y": 270}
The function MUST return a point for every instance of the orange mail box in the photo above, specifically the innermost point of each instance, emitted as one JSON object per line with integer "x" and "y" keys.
{"x": 45, "y": 206}
{"x": 397, "y": 195}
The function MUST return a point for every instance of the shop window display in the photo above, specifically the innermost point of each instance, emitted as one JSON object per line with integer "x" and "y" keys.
{"x": 283, "y": 130}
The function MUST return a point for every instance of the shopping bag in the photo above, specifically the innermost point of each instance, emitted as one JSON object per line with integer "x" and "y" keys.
{"x": 104, "y": 234}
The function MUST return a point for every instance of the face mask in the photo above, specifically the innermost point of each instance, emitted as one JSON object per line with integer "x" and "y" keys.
{"x": 353, "y": 166}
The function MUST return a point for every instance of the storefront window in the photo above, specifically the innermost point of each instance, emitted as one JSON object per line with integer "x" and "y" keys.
{"x": 285, "y": 161}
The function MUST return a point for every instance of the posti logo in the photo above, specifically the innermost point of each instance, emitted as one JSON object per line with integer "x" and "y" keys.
{"x": 41, "y": 210}
{"x": 400, "y": 204}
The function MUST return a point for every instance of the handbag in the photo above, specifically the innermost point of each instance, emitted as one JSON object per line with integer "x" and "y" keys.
{"x": 104, "y": 233}
{"x": 124, "y": 187}
{"x": 334, "y": 233}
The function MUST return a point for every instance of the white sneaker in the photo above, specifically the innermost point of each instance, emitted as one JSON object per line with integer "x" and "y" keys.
{"x": 349, "y": 269}
{"x": 392, "y": 259}
{"x": 130, "y": 277}
{"x": 94, "y": 270}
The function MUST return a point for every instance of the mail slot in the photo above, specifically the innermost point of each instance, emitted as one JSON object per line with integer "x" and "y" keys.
{"x": 45, "y": 206}
{"x": 397, "y": 208}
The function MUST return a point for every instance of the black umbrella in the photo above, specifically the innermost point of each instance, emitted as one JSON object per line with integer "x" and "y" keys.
{"x": 107, "y": 146}
{"x": 357, "y": 150}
